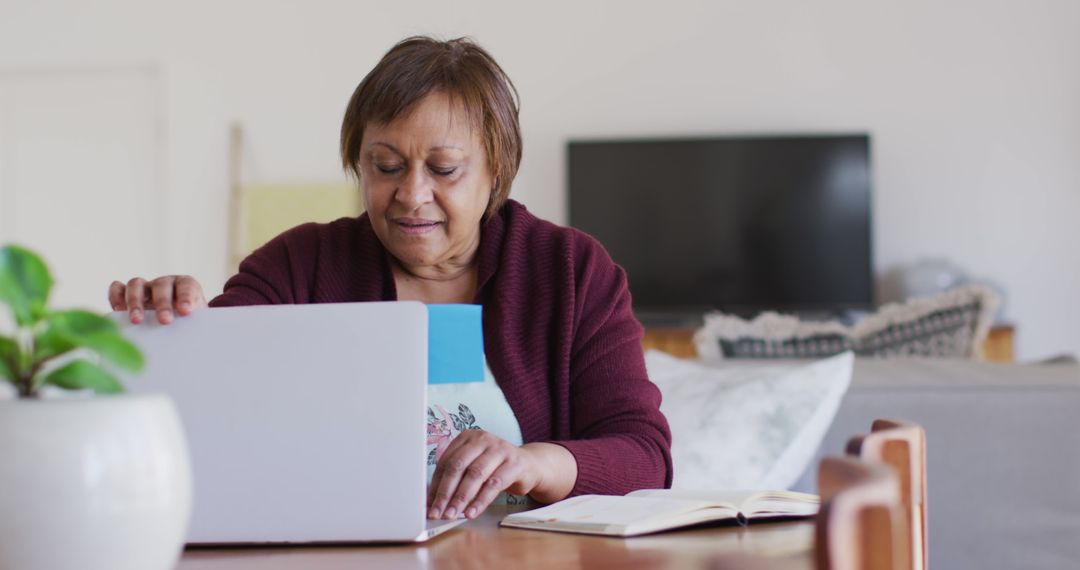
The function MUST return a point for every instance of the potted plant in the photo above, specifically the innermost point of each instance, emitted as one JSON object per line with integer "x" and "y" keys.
{"x": 90, "y": 478}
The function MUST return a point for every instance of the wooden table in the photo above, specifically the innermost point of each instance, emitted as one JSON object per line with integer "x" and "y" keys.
{"x": 481, "y": 544}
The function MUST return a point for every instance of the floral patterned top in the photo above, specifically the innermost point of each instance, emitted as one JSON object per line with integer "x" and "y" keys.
{"x": 454, "y": 408}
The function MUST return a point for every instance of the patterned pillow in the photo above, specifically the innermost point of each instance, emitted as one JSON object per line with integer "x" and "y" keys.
{"x": 746, "y": 425}
{"x": 950, "y": 325}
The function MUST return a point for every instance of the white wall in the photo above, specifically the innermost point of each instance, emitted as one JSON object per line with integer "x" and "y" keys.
{"x": 78, "y": 151}
{"x": 974, "y": 105}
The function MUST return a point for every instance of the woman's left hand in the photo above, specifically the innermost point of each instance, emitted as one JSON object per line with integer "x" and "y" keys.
{"x": 477, "y": 466}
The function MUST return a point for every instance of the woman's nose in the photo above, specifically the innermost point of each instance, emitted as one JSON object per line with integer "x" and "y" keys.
{"x": 416, "y": 189}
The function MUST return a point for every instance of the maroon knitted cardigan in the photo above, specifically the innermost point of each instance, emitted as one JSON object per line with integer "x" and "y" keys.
{"x": 559, "y": 334}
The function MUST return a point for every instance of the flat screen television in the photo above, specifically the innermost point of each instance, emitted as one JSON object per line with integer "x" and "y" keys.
{"x": 739, "y": 224}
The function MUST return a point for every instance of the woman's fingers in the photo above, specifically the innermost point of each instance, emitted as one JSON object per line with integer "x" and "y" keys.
{"x": 496, "y": 483}
{"x": 168, "y": 295}
{"x": 448, "y": 473}
{"x": 189, "y": 295}
{"x": 161, "y": 296}
{"x": 116, "y": 296}
{"x": 473, "y": 479}
{"x": 135, "y": 295}
{"x": 475, "y": 468}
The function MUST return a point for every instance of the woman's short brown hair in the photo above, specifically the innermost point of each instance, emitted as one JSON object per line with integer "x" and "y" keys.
{"x": 419, "y": 65}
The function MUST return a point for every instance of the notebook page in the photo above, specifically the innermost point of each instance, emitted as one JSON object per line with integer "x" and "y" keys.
{"x": 602, "y": 510}
{"x": 781, "y": 503}
{"x": 729, "y": 498}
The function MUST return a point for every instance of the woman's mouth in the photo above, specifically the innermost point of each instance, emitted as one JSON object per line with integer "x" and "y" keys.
{"x": 415, "y": 226}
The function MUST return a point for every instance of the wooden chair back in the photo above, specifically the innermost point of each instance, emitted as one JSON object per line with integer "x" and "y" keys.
{"x": 860, "y": 525}
{"x": 902, "y": 446}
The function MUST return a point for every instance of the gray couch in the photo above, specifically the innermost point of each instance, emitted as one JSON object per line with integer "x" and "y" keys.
{"x": 1003, "y": 455}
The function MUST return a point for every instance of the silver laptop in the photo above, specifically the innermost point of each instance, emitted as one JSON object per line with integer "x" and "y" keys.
{"x": 306, "y": 423}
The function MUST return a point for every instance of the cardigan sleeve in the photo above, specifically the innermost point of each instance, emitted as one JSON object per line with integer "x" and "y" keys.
{"x": 277, "y": 273}
{"x": 620, "y": 439}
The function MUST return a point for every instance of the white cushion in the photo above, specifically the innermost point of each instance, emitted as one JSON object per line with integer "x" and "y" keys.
{"x": 747, "y": 426}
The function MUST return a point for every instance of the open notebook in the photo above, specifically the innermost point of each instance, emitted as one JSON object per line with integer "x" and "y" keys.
{"x": 653, "y": 510}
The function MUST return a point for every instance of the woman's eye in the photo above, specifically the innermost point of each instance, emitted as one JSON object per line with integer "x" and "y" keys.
{"x": 388, "y": 168}
{"x": 443, "y": 171}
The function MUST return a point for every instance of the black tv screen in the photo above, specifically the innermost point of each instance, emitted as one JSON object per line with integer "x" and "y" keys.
{"x": 740, "y": 224}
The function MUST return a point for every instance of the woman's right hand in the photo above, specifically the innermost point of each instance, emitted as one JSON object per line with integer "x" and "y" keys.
{"x": 168, "y": 294}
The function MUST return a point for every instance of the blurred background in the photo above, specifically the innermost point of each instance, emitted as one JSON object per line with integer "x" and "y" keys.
{"x": 126, "y": 126}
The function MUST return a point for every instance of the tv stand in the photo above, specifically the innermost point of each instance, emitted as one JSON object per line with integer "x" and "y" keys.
{"x": 694, "y": 318}
{"x": 671, "y": 319}
{"x": 843, "y": 316}
{"x": 679, "y": 341}
{"x": 676, "y": 341}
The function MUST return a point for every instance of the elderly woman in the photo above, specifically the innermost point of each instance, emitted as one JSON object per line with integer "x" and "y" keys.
{"x": 432, "y": 135}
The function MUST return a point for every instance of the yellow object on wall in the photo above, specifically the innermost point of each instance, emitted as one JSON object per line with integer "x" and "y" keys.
{"x": 266, "y": 210}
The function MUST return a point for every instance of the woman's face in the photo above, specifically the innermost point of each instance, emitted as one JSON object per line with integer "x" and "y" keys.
{"x": 426, "y": 183}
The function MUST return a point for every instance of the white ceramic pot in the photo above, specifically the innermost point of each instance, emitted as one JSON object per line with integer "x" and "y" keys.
{"x": 100, "y": 483}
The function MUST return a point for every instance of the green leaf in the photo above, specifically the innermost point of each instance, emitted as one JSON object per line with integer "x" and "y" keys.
{"x": 9, "y": 352}
{"x": 84, "y": 329}
{"x": 49, "y": 344}
{"x": 83, "y": 375}
{"x": 118, "y": 350}
{"x": 24, "y": 284}
{"x": 9, "y": 358}
{"x": 8, "y": 348}
{"x": 78, "y": 322}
